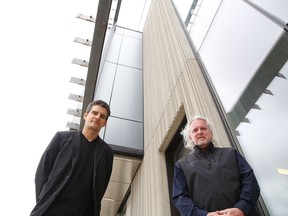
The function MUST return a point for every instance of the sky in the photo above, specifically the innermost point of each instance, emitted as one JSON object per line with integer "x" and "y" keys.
{"x": 36, "y": 50}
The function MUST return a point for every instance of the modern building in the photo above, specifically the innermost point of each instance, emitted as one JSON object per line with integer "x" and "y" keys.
{"x": 226, "y": 60}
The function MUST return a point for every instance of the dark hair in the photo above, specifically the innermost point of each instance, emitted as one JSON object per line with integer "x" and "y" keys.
{"x": 100, "y": 103}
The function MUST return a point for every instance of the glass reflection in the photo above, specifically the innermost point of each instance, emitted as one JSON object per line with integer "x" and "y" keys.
{"x": 125, "y": 133}
{"x": 277, "y": 8}
{"x": 264, "y": 143}
{"x": 233, "y": 38}
{"x": 231, "y": 53}
{"x": 120, "y": 84}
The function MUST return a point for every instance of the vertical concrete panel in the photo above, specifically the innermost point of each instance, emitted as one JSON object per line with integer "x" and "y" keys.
{"x": 173, "y": 84}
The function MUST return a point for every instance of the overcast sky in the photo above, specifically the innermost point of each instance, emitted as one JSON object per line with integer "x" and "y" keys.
{"x": 36, "y": 52}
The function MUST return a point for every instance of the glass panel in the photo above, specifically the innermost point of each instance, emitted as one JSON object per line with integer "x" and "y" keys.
{"x": 114, "y": 49}
{"x": 132, "y": 14}
{"x": 200, "y": 23}
{"x": 127, "y": 98}
{"x": 233, "y": 50}
{"x": 131, "y": 52}
{"x": 278, "y": 8}
{"x": 124, "y": 133}
{"x": 105, "y": 83}
{"x": 242, "y": 50}
{"x": 183, "y": 7}
{"x": 197, "y": 15}
{"x": 121, "y": 87}
{"x": 132, "y": 34}
{"x": 264, "y": 143}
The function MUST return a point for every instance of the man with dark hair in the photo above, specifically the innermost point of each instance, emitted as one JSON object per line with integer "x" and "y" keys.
{"x": 75, "y": 169}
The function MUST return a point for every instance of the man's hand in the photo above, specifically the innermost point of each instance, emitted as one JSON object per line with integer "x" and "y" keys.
{"x": 214, "y": 213}
{"x": 230, "y": 212}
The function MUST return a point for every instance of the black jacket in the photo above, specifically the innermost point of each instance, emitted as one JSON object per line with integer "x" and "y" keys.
{"x": 57, "y": 164}
{"x": 218, "y": 179}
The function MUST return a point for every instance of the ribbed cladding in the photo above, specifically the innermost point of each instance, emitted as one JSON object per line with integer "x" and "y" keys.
{"x": 173, "y": 82}
{"x": 164, "y": 55}
{"x": 171, "y": 76}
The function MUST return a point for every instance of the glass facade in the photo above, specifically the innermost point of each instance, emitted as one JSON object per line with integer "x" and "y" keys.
{"x": 120, "y": 84}
{"x": 264, "y": 144}
{"x": 243, "y": 48}
{"x": 276, "y": 8}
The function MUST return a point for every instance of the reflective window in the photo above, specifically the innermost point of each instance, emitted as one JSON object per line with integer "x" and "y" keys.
{"x": 120, "y": 84}
{"x": 114, "y": 48}
{"x": 133, "y": 14}
{"x": 234, "y": 48}
{"x": 197, "y": 15}
{"x": 124, "y": 133}
{"x": 264, "y": 142}
{"x": 127, "y": 96}
{"x": 129, "y": 53}
{"x": 103, "y": 90}
{"x": 244, "y": 51}
{"x": 277, "y": 8}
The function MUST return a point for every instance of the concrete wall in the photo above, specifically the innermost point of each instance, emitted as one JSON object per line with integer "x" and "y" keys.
{"x": 173, "y": 87}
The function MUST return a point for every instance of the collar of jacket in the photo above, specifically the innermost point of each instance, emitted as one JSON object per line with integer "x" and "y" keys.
{"x": 210, "y": 148}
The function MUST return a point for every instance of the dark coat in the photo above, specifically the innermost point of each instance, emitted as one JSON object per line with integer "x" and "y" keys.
{"x": 218, "y": 179}
{"x": 57, "y": 164}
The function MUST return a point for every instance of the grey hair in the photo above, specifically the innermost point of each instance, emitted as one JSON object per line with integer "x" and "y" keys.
{"x": 188, "y": 143}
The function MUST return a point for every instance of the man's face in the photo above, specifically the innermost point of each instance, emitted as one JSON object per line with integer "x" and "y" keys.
{"x": 200, "y": 134}
{"x": 96, "y": 118}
